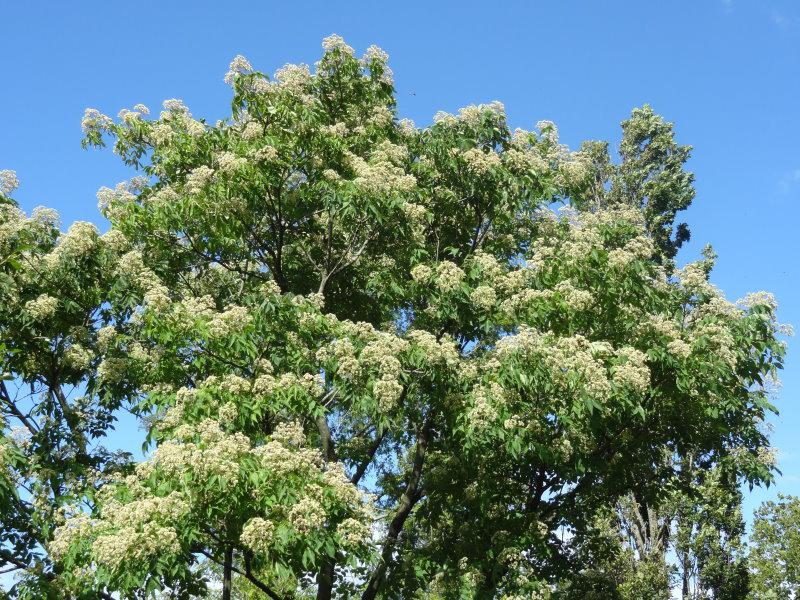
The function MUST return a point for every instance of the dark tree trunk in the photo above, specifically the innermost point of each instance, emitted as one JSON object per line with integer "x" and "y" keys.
{"x": 227, "y": 573}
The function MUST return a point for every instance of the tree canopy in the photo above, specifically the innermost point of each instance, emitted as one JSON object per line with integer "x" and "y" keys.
{"x": 372, "y": 359}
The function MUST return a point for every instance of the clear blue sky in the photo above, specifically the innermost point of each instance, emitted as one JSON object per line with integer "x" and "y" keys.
{"x": 727, "y": 72}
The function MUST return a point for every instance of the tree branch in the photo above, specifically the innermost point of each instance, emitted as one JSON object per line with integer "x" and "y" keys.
{"x": 408, "y": 500}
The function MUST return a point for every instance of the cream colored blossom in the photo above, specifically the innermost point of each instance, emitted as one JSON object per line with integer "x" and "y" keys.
{"x": 307, "y": 515}
{"x": 265, "y": 154}
{"x": 77, "y": 357}
{"x": 449, "y": 276}
{"x": 257, "y": 535}
{"x": 293, "y": 78}
{"x": 679, "y": 348}
{"x": 161, "y": 134}
{"x": 105, "y": 337}
{"x": 252, "y": 130}
{"x": 472, "y": 114}
{"x": 228, "y": 162}
{"x": 421, "y": 273}
{"x": 239, "y": 65}
{"x": 353, "y": 532}
{"x": 484, "y": 400}
{"x": 575, "y": 298}
{"x": 407, "y": 127}
{"x": 437, "y": 352}
{"x": 386, "y": 391}
{"x": 331, "y": 175}
{"x": 633, "y": 373}
{"x": 480, "y": 162}
{"x": 42, "y": 308}
{"x": 8, "y": 182}
{"x": 334, "y": 43}
{"x": 112, "y": 370}
{"x": 228, "y": 413}
{"x": 73, "y": 530}
{"x": 198, "y": 178}
{"x": 484, "y": 297}
{"x": 759, "y": 299}
{"x": 94, "y": 120}
{"x": 382, "y": 173}
{"x": 233, "y": 319}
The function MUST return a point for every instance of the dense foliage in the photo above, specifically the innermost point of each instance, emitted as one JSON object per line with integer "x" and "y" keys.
{"x": 375, "y": 360}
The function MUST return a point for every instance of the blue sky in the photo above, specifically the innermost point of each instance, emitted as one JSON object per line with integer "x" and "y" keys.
{"x": 725, "y": 71}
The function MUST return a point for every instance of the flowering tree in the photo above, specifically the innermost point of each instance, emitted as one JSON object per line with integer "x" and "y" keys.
{"x": 371, "y": 360}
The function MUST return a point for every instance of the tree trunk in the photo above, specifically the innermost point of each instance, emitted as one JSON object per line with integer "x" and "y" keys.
{"x": 685, "y": 578}
{"x": 227, "y": 573}
{"x": 325, "y": 579}
{"x": 327, "y": 571}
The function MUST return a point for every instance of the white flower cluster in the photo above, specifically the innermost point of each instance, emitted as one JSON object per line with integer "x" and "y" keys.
{"x": 575, "y": 298}
{"x": 135, "y": 530}
{"x": 564, "y": 357}
{"x": 232, "y": 320}
{"x": 694, "y": 280}
{"x": 759, "y": 299}
{"x": 718, "y": 339}
{"x": 382, "y": 175}
{"x": 485, "y": 403}
{"x": 574, "y": 169}
{"x": 73, "y": 529}
{"x": 484, "y": 297}
{"x": 46, "y": 217}
{"x": 407, "y": 127}
{"x": 138, "y": 529}
{"x": 386, "y": 391}
{"x": 438, "y": 352}
{"x": 472, "y": 115}
{"x": 264, "y": 154}
{"x": 633, "y": 373}
{"x": 449, "y": 276}
{"x": 108, "y": 199}
{"x": 715, "y": 306}
{"x": 293, "y": 79}
{"x": 252, "y": 130}
{"x": 307, "y": 515}
{"x": 42, "y": 308}
{"x": 336, "y": 43}
{"x": 524, "y": 160}
{"x": 421, "y": 273}
{"x": 228, "y": 162}
{"x": 93, "y": 120}
{"x": 105, "y": 337}
{"x": 343, "y": 352}
{"x": 257, "y": 535}
{"x": 481, "y": 163}
{"x": 353, "y": 532}
{"x": 156, "y": 295}
{"x": 198, "y": 178}
{"x": 80, "y": 242}
{"x": 78, "y": 358}
{"x": 8, "y": 182}
{"x": 204, "y": 450}
{"x": 374, "y": 55}
{"x": 239, "y": 65}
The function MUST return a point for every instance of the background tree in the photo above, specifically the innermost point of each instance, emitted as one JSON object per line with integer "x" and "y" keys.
{"x": 54, "y": 316}
{"x": 775, "y": 549}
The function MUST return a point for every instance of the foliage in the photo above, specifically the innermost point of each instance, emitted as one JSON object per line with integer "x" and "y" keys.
{"x": 775, "y": 556}
{"x": 371, "y": 358}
